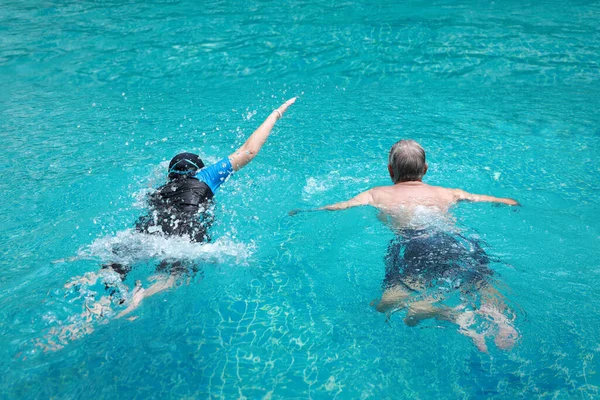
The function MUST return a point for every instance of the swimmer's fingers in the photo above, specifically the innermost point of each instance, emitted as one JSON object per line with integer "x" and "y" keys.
{"x": 64, "y": 260}
{"x": 304, "y": 210}
{"x": 514, "y": 208}
{"x": 283, "y": 108}
{"x": 508, "y": 202}
{"x": 297, "y": 211}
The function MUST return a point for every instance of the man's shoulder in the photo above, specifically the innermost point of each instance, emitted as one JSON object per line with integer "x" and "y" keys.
{"x": 384, "y": 188}
{"x": 444, "y": 191}
{"x": 380, "y": 190}
{"x": 444, "y": 188}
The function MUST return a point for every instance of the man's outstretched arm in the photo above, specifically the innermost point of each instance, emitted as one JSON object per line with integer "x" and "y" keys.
{"x": 363, "y": 199}
{"x": 250, "y": 149}
{"x": 461, "y": 195}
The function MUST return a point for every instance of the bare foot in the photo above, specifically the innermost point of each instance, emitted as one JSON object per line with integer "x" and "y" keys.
{"x": 478, "y": 341}
{"x": 136, "y": 298}
{"x": 507, "y": 335}
{"x": 506, "y": 338}
{"x": 426, "y": 309}
{"x": 465, "y": 320}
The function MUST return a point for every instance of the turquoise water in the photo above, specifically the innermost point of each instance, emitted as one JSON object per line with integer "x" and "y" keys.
{"x": 96, "y": 96}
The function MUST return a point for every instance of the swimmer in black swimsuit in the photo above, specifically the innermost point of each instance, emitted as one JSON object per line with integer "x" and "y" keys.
{"x": 425, "y": 262}
{"x": 181, "y": 208}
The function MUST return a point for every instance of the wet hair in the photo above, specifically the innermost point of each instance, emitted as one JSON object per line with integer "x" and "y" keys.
{"x": 185, "y": 165}
{"x": 407, "y": 160}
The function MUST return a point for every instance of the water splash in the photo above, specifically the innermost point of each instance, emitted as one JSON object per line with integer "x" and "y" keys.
{"x": 131, "y": 247}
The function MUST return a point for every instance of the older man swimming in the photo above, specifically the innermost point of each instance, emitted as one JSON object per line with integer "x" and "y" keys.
{"x": 427, "y": 252}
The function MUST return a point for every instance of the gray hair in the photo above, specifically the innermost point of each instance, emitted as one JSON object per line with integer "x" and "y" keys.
{"x": 407, "y": 159}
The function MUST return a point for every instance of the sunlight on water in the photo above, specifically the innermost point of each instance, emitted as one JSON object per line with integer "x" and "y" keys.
{"x": 98, "y": 97}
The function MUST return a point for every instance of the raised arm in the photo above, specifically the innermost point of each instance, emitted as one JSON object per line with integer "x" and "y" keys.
{"x": 363, "y": 199}
{"x": 461, "y": 195}
{"x": 242, "y": 156}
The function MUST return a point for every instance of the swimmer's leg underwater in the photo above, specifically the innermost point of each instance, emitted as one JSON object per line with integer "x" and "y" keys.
{"x": 176, "y": 270}
{"x": 405, "y": 262}
{"x": 398, "y": 298}
{"x": 95, "y": 311}
{"x": 405, "y": 289}
{"x": 494, "y": 309}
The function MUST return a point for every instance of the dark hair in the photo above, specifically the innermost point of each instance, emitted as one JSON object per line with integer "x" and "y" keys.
{"x": 185, "y": 164}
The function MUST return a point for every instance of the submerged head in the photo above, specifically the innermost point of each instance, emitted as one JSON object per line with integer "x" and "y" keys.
{"x": 406, "y": 161}
{"x": 185, "y": 164}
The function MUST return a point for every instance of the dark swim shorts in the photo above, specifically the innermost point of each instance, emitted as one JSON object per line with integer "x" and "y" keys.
{"x": 419, "y": 259}
{"x": 173, "y": 267}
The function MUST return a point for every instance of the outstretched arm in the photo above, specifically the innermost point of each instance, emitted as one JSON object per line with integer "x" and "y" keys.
{"x": 461, "y": 195}
{"x": 363, "y": 199}
{"x": 250, "y": 149}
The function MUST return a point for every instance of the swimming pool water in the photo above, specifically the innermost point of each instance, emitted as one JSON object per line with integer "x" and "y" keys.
{"x": 96, "y": 96}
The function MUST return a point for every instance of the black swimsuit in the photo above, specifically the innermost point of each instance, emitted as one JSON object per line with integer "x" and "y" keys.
{"x": 178, "y": 208}
{"x": 422, "y": 259}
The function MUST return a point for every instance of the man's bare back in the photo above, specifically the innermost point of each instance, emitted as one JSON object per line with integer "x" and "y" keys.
{"x": 409, "y": 195}
{"x": 401, "y": 200}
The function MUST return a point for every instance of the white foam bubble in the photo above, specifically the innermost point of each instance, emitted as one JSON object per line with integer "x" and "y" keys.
{"x": 321, "y": 184}
{"x": 155, "y": 178}
{"x": 314, "y": 186}
{"x": 129, "y": 247}
{"x": 418, "y": 217}
{"x": 432, "y": 217}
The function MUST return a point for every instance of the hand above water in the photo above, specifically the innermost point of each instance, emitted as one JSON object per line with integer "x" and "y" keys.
{"x": 283, "y": 108}
{"x": 246, "y": 153}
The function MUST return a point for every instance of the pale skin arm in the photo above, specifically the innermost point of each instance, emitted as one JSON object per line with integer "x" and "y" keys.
{"x": 242, "y": 156}
{"x": 363, "y": 199}
{"x": 461, "y": 195}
